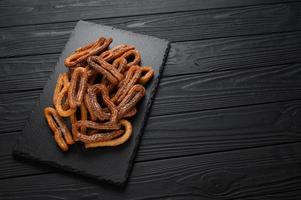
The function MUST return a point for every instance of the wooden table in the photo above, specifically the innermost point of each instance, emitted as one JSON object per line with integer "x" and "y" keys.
{"x": 225, "y": 123}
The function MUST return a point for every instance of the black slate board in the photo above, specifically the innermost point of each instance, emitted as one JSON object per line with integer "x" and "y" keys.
{"x": 110, "y": 164}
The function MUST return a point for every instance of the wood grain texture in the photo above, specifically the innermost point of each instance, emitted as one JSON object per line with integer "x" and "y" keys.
{"x": 194, "y": 57}
{"x": 233, "y": 53}
{"x": 194, "y": 133}
{"x": 195, "y": 25}
{"x": 204, "y": 91}
{"x": 15, "y": 109}
{"x": 19, "y": 74}
{"x": 176, "y": 94}
{"x": 271, "y": 172}
{"x": 190, "y": 153}
{"x": 20, "y": 12}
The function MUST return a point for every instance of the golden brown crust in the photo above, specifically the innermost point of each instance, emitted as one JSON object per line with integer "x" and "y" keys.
{"x": 116, "y": 52}
{"x": 104, "y": 89}
{"x": 60, "y": 99}
{"x": 117, "y": 141}
{"x": 83, "y": 116}
{"x": 60, "y": 83}
{"x": 120, "y": 65}
{"x": 81, "y": 54}
{"x": 95, "y": 136}
{"x": 131, "y": 99}
{"x": 131, "y": 79}
{"x": 129, "y": 114}
{"x": 148, "y": 73}
{"x": 77, "y": 88}
{"x": 106, "y": 69}
{"x": 61, "y": 132}
{"x": 132, "y": 54}
{"x": 95, "y": 108}
{"x": 108, "y": 126}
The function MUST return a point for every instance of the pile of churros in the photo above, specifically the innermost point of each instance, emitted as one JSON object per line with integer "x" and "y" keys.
{"x": 98, "y": 95}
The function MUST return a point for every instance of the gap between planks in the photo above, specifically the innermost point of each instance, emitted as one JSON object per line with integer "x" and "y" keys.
{"x": 195, "y": 26}
{"x": 54, "y": 170}
{"x": 215, "y": 153}
{"x": 158, "y": 13}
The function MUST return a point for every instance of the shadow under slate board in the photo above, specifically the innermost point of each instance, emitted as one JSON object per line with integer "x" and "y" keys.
{"x": 109, "y": 164}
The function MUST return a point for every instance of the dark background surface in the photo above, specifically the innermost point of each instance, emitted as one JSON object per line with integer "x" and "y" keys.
{"x": 225, "y": 123}
{"x": 110, "y": 164}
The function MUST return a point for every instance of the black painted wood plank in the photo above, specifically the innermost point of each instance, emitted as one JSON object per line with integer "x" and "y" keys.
{"x": 271, "y": 172}
{"x": 193, "y": 92}
{"x": 20, "y": 12}
{"x": 218, "y": 130}
{"x": 243, "y": 52}
{"x": 176, "y": 94}
{"x": 191, "y": 57}
{"x": 195, "y": 25}
{"x": 194, "y": 133}
{"x": 22, "y": 73}
{"x": 15, "y": 109}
